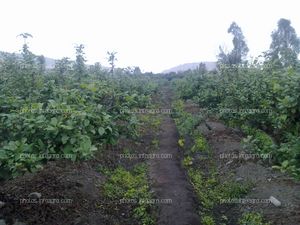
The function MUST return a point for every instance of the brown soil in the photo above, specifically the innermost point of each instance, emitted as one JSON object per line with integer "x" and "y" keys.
{"x": 79, "y": 183}
{"x": 266, "y": 182}
{"x": 169, "y": 180}
{"x": 61, "y": 180}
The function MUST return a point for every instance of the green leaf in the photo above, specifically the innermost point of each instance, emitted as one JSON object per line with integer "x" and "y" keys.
{"x": 64, "y": 139}
{"x": 101, "y": 130}
{"x": 285, "y": 163}
{"x": 41, "y": 144}
{"x": 53, "y": 121}
{"x": 73, "y": 140}
{"x": 109, "y": 128}
{"x": 68, "y": 150}
{"x": 66, "y": 127}
{"x": 50, "y": 128}
{"x": 86, "y": 123}
{"x": 3, "y": 155}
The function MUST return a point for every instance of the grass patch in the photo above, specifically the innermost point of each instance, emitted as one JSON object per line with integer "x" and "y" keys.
{"x": 252, "y": 219}
{"x": 210, "y": 191}
{"x": 131, "y": 186}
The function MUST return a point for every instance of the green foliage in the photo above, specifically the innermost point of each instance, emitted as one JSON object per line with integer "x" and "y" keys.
{"x": 62, "y": 68}
{"x": 288, "y": 156}
{"x": 258, "y": 141}
{"x": 185, "y": 121}
{"x": 126, "y": 185}
{"x": 112, "y": 59}
{"x": 79, "y": 66}
{"x": 263, "y": 101}
{"x": 56, "y": 115}
{"x": 285, "y": 45}
{"x": 200, "y": 144}
{"x": 187, "y": 161}
{"x": 252, "y": 219}
{"x": 211, "y": 191}
{"x": 240, "y": 48}
{"x": 13, "y": 159}
{"x": 73, "y": 122}
{"x": 208, "y": 220}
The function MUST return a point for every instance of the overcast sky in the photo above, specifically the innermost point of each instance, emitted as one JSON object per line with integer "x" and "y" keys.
{"x": 152, "y": 34}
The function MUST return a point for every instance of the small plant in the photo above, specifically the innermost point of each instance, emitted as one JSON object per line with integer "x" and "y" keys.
{"x": 181, "y": 142}
{"x": 208, "y": 220}
{"x": 252, "y": 219}
{"x": 211, "y": 191}
{"x": 200, "y": 144}
{"x": 131, "y": 185}
{"x": 187, "y": 161}
{"x": 155, "y": 143}
{"x": 257, "y": 141}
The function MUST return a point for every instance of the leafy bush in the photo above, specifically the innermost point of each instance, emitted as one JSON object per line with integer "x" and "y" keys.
{"x": 265, "y": 102}
{"x": 74, "y": 120}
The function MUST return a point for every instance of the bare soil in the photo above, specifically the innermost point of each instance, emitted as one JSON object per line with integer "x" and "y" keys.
{"x": 266, "y": 181}
{"x": 169, "y": 180}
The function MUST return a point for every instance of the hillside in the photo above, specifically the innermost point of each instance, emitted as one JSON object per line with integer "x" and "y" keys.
{"x": 191, "y": 66}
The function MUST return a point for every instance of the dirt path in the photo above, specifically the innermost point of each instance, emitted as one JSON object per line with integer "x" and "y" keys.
{"x": 168, "y": 178}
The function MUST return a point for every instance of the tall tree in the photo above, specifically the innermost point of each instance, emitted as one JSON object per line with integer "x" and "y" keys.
{"x": 97, "y": 71}
{"x": 62, "y": 66}
{"x": 25, "y": 36}
{"x": 111, "y": 60}
{"x": 28, "y": 56}
{"x": 28, "y": 65}
{"x": 41, "y": 62}
{"x": 137, "y": 71}
{"x": 240, "y": 48}
{"x": 202, "y": 68}
{"x": 285, "y": 45}
{"x": 79, "y": 66}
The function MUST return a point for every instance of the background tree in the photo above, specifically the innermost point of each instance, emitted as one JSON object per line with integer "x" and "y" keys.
{"x": 79, "y": 66}
{"x": 41, "y": 62}
{"x": 25, "y": 36}
{"x": 240, "y": 48}
{"x": 62, "y": 67}
{"x": 28, "y": 56}
{"x": 28, "y": 67}
{"x": 97, "y": 70}
{"x": 10, "y": 72}
{"x": 285, "y": 45}
{"x": 137, "y": 71}
{"x": 111, "y": 60}
{"x": 202, "y": 68}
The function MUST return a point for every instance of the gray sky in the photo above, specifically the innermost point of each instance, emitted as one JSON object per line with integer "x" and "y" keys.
{"x": 152, "y": 34}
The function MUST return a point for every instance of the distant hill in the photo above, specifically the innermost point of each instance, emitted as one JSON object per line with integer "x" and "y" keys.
{"x": 50, "y": 63}
{"x": 191, "y": 66}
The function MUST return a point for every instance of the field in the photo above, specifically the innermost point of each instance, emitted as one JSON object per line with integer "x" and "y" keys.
{"x": 81, "y": 144}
